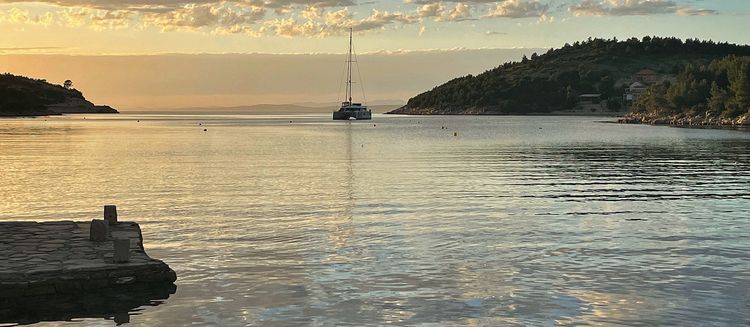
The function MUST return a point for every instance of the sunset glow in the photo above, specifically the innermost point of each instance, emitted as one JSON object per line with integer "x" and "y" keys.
{"x": 275, "y": 26}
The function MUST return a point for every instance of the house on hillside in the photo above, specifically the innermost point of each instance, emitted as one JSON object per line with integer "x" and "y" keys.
{"x": 590, "y": 98}
{"x": 634, "y": 91}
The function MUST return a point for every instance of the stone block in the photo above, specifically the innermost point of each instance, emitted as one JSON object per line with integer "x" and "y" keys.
{"x": 99, "y": 231}
{"x": 151, "y": 276}
{"x": 41, "y": 289}
{"x": 95, "y": 284}
{"x": 110, "y": 214}
{"x": 97, "y": 274}
{"x": 67, "y": 287}
{"x": 14, "y": 285}
{"x": 121, "y": 318}
{"x": 122, "y": 250}
{"x": 11, "y": 293}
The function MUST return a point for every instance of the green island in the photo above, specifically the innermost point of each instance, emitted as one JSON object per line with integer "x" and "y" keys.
{"x": 652, "y": 80}
{"x": 23, "y": 96}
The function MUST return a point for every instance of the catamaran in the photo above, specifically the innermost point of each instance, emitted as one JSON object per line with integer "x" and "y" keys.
{"x": 350, "y": 110}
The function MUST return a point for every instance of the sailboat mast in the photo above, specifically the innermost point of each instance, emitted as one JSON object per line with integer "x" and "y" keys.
{"x": 349, "y": 68}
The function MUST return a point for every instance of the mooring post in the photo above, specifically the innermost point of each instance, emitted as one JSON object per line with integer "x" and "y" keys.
{"x": 99, "y": 230}
{"x": 110, "y": 214}
{"x": 122, "y": 250}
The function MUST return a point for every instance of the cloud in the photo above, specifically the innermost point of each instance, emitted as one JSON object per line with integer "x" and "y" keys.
{"x": 422, "y": 2}
{"x": 192, "y": 17}
{"x": 310, "y": 18}
{"x": 23, "y": 16}
{"x": 165, "y": 5}
{"x": 317, "y": 23}
{"x": 293, "y": 18}
{"x": 489, "y": 33}
{"x": 458, "y": 13}
{"x": 686, "y": 11}
{"x": 635, "y": 8}
{"x": 439, "y": 13}
{"x": 589, "y": 8}
{"x": 30, "y": 49}
{"x": 97, "y": 19}
{"x": 379, "y": 19}
{"x": 518, "y": 9}
{"x": 434, "y": 9}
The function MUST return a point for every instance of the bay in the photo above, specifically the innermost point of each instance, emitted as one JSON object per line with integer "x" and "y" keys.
{"x": 424, "y": 221}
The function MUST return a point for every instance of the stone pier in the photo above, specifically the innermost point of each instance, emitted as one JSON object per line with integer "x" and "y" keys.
{"x": 58, "y": 259}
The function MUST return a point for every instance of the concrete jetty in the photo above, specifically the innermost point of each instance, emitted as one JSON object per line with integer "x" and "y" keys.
{"x": 48, "y": 260}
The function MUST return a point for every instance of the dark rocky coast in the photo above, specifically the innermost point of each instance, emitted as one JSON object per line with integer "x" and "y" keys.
{"x": 684, "y": 119}
{"x": 23, "y": 96}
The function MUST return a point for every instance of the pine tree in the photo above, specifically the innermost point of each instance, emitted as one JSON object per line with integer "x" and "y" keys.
{"x": 719, "y": 98}
{"x": 740, "y": 84}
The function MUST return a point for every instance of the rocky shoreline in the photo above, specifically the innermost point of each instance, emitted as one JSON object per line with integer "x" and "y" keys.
{"x": 684, "y": 120}
{"x": 80, "y": 106}
{"x": 490, "y": 111}
{"x": 70, "y": 106}
{"x": 406, "y": 110}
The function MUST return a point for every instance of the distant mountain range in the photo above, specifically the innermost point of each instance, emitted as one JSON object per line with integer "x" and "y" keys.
{"x": 594, "y": 74}
{"x": 268, "y": 109}
{"x": 23, "y": 96}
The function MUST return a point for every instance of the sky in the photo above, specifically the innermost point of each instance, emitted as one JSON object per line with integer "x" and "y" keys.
{"x": 226, "y": 80}
{"x": 54, "y": 33}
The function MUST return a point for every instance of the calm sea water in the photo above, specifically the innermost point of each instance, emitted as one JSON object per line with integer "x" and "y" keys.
{"x": 516, "y": 221}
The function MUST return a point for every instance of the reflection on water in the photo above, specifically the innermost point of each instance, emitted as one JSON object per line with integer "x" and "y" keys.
{"x": 515, "y": 221}
{"x": 117, "y": 304}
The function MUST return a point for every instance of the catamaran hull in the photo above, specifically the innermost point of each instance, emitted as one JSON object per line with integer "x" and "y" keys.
{"x": 338, "y": 115}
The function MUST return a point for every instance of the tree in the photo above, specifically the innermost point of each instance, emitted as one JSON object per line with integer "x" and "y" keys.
{"x": 68, "y": 84}
{"x": 614, "y": 104}
{"x": 606, "y": 87}
{"x": 740, "y": 83}
{"x": 571, "y": 98}
{"x": 719, "y": 98}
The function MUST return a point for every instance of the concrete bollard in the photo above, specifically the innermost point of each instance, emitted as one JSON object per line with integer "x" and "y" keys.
{"x": 122, "y": 250}
{"x": 121, "y": 318}
{"x": 99, "y": 231}
{"x": 110, "y": 214}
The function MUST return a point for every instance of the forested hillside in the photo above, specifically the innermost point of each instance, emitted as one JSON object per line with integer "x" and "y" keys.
{"x": 555, "y": 80}
{"x": 23, "y": 96}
